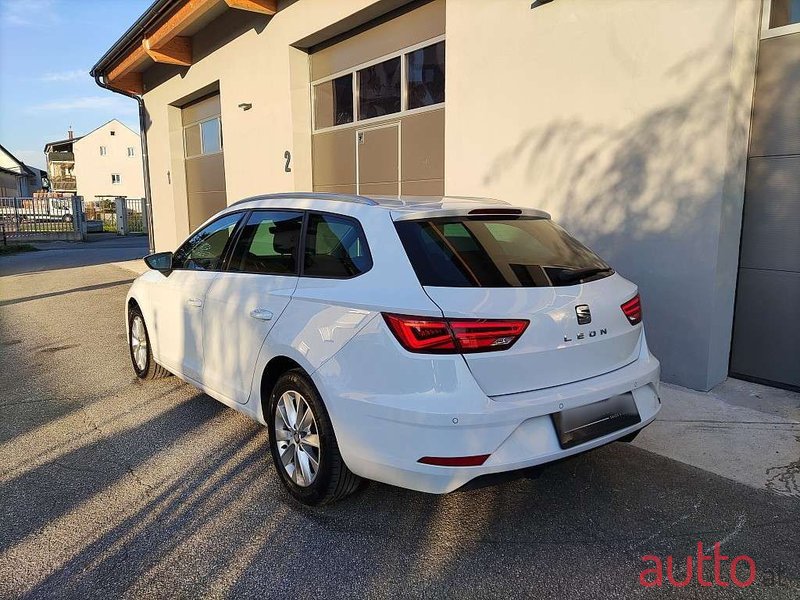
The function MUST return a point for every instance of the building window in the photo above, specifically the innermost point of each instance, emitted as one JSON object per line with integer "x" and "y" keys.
{"x": 116, "y": 178}
{"x": 425, "y": 69}
{"x": 202, "y": 138}
{"x": 103, "y": 150}
{"x": 379, "y": 89}
{"x": 131, "y": 151}
{"x": 113, "y": 132}
{"x": 413, "y": 79}
{"x": 780, "y": 17}
{"x": 333, "y": 102}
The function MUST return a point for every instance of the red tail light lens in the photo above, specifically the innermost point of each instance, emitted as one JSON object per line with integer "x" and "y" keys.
{"x": 454, "y": 461}
{"x": 453, "y": 336}
{"x": 633, "y": 310}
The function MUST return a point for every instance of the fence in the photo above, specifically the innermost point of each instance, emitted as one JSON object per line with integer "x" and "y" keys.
{"x": 57, "y": 217}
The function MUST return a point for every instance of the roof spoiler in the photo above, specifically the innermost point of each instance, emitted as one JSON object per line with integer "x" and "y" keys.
{"x": 493, "y": 211}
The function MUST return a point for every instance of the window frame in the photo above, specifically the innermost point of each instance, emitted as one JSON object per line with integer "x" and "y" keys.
{"x": 237, "y": 234}
{"x": 304, "y": 234}
{"x": 766, "y": 31}
{"x": 131, "y": 151}
{"x": 404, "y": 110}
{"x": 103, "y": 150}
{"x": 199, "y": 125}
{"x": 119, "y": 179}
{"x": 228, "y": 245}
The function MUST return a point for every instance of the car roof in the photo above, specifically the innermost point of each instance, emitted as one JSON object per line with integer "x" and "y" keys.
{"x": 402, "y": 207}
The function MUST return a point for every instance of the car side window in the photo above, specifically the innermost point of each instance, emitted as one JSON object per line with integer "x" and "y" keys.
{"x": 335, "y": 247}
{"x": 205, "y": 250}
{"x": 269, "y": 243}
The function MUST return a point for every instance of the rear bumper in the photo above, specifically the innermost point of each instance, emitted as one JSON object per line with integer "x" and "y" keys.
{"x": 383, "y": 437}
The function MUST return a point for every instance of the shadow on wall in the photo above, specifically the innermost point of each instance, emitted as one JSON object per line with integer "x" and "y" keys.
{"x": 649, "y": 197}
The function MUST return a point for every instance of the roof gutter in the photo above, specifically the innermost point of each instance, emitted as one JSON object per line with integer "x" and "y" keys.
{"x": 145, "y": 158}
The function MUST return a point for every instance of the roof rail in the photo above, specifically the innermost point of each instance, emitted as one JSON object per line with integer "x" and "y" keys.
{"x": 309, "y": 195}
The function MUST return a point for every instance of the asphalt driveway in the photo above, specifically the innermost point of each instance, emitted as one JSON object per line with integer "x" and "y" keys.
{"x": 114, "y": 488}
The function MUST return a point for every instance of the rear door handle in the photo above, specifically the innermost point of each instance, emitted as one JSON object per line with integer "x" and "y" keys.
{"x": 194, "y": 302}
{"x": 262, "y": 314}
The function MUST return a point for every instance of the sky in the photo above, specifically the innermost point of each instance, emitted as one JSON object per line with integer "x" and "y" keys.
{"x": 47, "y": 48}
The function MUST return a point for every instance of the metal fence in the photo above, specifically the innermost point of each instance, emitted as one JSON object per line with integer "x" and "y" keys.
{"x": 55, "y": 216}
{"x": 42, "y": 217}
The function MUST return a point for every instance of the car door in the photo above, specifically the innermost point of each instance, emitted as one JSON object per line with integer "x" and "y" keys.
{"x": 245, "y": 301}
{"x": 178, "y": 300}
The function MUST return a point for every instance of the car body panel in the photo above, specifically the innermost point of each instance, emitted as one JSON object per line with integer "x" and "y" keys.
{"x": 388, "y": 406}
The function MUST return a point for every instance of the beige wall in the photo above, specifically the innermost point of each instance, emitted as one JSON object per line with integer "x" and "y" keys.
{"x": 251, "y": 59}
{"x": 93, "y": 171}
{"x": 628, "y": 121}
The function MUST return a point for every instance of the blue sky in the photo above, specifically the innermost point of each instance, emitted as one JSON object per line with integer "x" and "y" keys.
{"x": 46, "y": 50}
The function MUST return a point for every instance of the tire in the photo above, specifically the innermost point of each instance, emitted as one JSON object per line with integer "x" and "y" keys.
{"x": 144, "y": 365}
{"x": 289, "y": 441}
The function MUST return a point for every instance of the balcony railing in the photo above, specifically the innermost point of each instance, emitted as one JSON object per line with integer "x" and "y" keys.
{"x": 66, "y": 184}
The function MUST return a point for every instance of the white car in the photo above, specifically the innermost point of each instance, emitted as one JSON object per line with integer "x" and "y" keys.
{"x": 421, "y": 342}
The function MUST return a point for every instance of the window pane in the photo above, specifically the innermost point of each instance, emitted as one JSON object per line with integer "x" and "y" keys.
{"x": 426, "y": 76}
{"x": 191, "y": 138}
{"x": 211, "y": 136}
{"x": 461, "y": 252}
{"x": 269, "y": 244}
{"x": 784, "y": 12}
{"x": 203, "y": 251}
{"x": 379, "y": 89}
{"x": 335, "y": 247}
{"x": 333, "y": 102}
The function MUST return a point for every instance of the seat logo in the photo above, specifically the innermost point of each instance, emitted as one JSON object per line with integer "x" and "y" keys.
{"x": 584, "y": 314}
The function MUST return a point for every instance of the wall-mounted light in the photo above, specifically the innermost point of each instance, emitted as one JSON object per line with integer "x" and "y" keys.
{"x": 246, "y": 105}
{"x": 538, "y": 3}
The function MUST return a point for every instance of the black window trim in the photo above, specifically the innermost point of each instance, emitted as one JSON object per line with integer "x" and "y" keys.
{"x": 305, "y": 236}
{"x": 238, "y": 234}
{"x": 228, "y": 245}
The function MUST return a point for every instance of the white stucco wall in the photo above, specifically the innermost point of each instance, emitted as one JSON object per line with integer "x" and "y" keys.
{"x": 93, "y": 171}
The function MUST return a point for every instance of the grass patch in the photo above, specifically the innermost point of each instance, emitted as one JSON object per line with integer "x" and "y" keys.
{"x": 16, "y": 248}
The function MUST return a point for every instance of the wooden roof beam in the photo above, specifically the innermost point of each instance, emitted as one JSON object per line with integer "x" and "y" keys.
{"x": 177, "y": 51}
{"x": 179, "y": 19}
{"x": 130, "y": 82}
{"x": 265, "y": 7}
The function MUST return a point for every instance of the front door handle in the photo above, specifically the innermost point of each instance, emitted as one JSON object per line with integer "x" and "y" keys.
{"x": 262, "y": 314}
{"x": 196, "y": 302}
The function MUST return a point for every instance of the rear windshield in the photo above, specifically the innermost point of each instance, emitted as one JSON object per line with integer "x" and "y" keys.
{"x": 497, "y": 252}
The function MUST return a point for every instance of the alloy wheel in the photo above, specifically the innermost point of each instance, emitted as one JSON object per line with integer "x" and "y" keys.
{"x": 297, "y": 438}
{"x": 138, "y": 343}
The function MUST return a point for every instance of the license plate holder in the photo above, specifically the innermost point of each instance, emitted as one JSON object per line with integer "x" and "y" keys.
{"x": 585, "y": 423}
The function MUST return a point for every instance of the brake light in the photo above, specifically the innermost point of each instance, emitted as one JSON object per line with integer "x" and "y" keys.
{"x": 633, "y": 310}
{"x": 453, "y": 336}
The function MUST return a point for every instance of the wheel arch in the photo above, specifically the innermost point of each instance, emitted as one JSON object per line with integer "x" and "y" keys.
{"x": 277, "y": 366}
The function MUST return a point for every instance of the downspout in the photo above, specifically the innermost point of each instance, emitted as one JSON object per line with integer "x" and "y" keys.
{"x": 145, "y": 160}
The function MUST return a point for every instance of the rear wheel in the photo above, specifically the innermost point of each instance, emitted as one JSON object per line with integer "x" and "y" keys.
{"x": 141, "y": 352}
{"x": 303, "y": 445}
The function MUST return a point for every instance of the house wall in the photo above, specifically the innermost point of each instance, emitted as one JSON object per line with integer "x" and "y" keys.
{"x": 93, "y": 171}
{"x": 628, "y": 121}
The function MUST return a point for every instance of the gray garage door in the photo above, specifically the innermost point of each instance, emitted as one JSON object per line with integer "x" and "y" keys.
{"x": 766, "y": 334}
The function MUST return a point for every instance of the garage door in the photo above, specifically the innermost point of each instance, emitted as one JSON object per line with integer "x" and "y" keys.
{"x": 766, "y": 334}
{"x": 378, "y": 115}
{"x": 204, "y": 159}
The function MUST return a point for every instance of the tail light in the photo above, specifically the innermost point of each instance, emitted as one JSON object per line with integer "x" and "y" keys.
{"x": 454, "y": 461}
{"x": 454, "y": 336}
{"x": 633, "y": 310}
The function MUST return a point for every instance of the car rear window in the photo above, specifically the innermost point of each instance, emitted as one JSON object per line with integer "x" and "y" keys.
{"x": 497, "y": 252}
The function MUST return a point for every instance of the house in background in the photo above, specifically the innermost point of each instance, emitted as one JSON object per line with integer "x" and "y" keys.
{"x": 105, "y": 162}
{"x": 16, "y": 178}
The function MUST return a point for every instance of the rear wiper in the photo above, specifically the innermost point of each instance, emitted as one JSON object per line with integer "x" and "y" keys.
{"x": 578, "y": 274}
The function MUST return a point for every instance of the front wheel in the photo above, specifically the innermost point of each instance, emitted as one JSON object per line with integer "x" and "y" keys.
{"x": 144, "y": 365}
{"x": 303, "y": 445}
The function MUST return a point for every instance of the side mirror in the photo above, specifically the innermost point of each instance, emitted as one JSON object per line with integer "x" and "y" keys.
{"x": 160, "y": 261}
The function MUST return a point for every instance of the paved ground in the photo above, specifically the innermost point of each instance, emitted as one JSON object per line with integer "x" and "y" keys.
{"x": 112, "y": 488}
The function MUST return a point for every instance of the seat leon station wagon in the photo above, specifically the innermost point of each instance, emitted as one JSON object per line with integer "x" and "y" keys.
{"x": 420, "y": 342}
